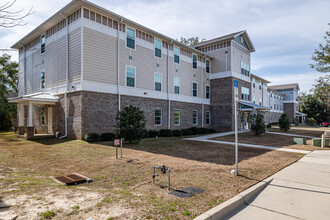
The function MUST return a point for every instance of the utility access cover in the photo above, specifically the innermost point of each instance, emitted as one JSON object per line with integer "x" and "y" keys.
{"x": 181, "y": 193}
{"x": 71, "y": 179}
{"x": 193, "y": 190}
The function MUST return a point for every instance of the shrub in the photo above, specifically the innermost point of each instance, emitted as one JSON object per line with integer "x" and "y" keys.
{"x": 49, "y": 214}
{"x": 165, "y": 133}
{"x": 107, "y": 136}
{"x": 153, "y": 133}
{"x": 311, "y": 122}
{"x": 269, "y": 126}
{"x": 92, "y": 137}
{"x": 204, "y": 130}
{"x": 284, "y": 122}
{"x": 145, "y": 134}
{"x": 131, "y": 123}
{"x": 177, "y": 133}
{"x": 187, "y": 132}
{"x": 195, "y": 130}
{"x": 211, "y": 130}
{"x": 257, "y": 123}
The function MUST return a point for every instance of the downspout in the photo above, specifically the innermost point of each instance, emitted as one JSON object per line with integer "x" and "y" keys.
{"x": 168, "y": 88}
{"x": 202, "y": 89}
{"x": 66, "y": 78}
{"x": 118, "y": 63}
{"x": 24, "y": 68}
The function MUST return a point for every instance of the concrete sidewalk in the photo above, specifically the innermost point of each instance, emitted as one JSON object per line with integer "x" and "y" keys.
{"x": 300, "y": 191}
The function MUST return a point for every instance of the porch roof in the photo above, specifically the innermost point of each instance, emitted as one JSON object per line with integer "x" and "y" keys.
{"x": 37, "y": 98}
{"x": 300, "y": 114}
{"x": 253, "y": 106}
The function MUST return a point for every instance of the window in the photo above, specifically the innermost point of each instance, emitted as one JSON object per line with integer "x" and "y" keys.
{"x": 43, "y": 41}
{"x": 254, "y": 100}
{"x": 158, "y": 48}
{"x": 260, "y": 101}
{"x": 194, "y": 89}
{"x": 245, "y": 69}
{"x": 207, "y": 64}
{"x": 274, "y": 106}
{"x": 130, "y": 76}
{"x": 260, "y": 85}
{"x": 194, "y": 61}
{"x": 176, "y": 85}
{"x": 177, "y": 117}
{"x": 254, "y": 83}
{"x": 42, "y": 116}
{"x": 158, "y": 116}
{"x": 130, "y": 40}
{"x": 207, "y": 91}
{"x": 245, "y": 92}
{"x": 42, "y": 80}
{"x": 158, "y": 82}
{"x": 195, "y": 120}
{"x": 176, "y": 55}
{"x": 207, "y": 118}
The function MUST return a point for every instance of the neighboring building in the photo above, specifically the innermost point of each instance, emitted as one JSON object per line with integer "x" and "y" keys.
{"x": 276, "y": 105}
{"x": 85, "y": 63}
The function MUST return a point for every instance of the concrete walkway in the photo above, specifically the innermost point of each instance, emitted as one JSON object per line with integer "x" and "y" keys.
{"x": 299, "y": 191}
{"x": 207, "y": 137}
{"x": 293, "y": 135}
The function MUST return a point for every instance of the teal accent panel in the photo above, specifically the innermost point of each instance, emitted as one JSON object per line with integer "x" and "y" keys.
{"x": 238, "y": 40}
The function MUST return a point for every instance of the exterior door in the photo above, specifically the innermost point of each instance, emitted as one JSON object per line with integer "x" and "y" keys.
{"x": 50, "y": 120}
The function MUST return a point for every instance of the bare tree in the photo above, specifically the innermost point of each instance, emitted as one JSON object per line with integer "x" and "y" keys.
{"x": 11, "y": 18}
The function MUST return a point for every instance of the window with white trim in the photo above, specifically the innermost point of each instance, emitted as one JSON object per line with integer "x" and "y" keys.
{"x": 207, "y": 91}
{"x": 259, "y": 100}
{"x": 42, "y": 116}
{"x": 158, "y": 82}
{"x": 254, "y": 83}
{"x": 42, "y": 80}
{"x": 130, "y": 76}
{"x": 177, "y": 117}
{"x": 158, "y": 48}
{"x": 194, "y": 61}
{"x": 43, "y": 43}
{"x": 245, "y": 69}
{"x": 194, "y": 91}
{"x": 158, "y": 116}
{"x": 245, "y": 93}
{"x": 254, "y": 100}
{"x": 207, "y": 118}
{"x": 195, "y": 119}
{"x": 130, "y": 38}
{"x": 176, "y": 85}
{"x": 176, "y": 55}
{"x": 207, "y": 64}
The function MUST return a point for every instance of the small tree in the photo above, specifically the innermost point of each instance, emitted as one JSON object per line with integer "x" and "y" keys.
{"x": 257, "y": 123}
{"x": 131, "y": 124}
{"x": 284, "y": 122}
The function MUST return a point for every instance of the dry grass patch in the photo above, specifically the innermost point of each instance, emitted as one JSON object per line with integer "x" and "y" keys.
{"x": 122, "y": 188}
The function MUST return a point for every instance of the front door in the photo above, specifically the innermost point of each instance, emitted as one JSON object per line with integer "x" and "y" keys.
{"x": 50, "y": 120}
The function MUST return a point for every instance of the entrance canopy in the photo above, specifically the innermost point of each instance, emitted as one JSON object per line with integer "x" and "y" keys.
{"x": 37, "y": 99}
{"x": 249, "y": 106}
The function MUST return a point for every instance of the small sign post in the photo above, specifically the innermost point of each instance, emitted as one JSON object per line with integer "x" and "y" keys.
{"x": 116, "y": 143}
{"x": 236, "y": 133}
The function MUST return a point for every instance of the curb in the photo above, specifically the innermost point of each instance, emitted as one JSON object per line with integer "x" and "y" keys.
{"x": 237, "y": 201}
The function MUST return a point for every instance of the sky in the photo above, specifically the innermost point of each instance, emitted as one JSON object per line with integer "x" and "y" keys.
{"x": 284, "y": 33}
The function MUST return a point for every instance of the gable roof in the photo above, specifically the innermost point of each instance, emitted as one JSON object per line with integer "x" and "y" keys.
{"x": 230, "y": 37}
{"x": 285, "y": 86}
{"x": 259, "y": 78}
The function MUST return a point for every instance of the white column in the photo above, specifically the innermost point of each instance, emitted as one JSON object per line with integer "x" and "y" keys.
{"x": 21, "y": 115}
{"x": 30, "y": 115}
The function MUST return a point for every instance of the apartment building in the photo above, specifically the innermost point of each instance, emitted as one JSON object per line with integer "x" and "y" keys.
{"x": 85, "y": 63}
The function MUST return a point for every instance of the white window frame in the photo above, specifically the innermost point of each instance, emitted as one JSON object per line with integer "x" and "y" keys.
{"x": 126, "y": 66}
{"x": 179, "y": 85}
{"x": 42, "y": 117}
{"x": 196, "y": 117}
{"x": 174, "y": 116}
{"x": 207, "y": 85}
{"x": 161, "y": 116}
{"x": 43, "y": 79}
{"x": 209, "y": 66}
{"x": 192, "y": 84}
{"x": 209, "y": 117}
{"x": 127, "y": 36}
{"x": 193, "y": 61}
{"x": 174, "y": 54}
{"x": 161, "y": 46}
{"x": 43, "y": 35}
{"x": 161, "y": 82}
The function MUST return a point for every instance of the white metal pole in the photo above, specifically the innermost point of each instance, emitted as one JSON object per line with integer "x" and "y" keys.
{"x": 236, "y": 139}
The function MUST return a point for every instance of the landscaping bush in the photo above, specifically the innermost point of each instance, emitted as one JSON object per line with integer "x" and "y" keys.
{"x": 177, "y": 133}
{"x": 284, "y": 122}
{"x": 107, "y": 136}
{"x": 211, "y": 130}
{"x": 165, "y": 133}
{"x": 145, "y": 134}
{"x": 131, "y": 123}
{"x": 195, "y": 130}
{"x": 187, "y": 132}
{"x": 153, "y": 133}
{"x": 257, "y": 122}
{"x": 92, "y": 137}
{"x": 204, "y": 130}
